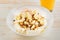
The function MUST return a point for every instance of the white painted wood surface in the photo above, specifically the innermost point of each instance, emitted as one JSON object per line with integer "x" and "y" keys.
{"x": 7, "y": 34}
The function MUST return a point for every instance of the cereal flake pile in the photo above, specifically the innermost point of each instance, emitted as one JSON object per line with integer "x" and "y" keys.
{"x": 29, "y": 19}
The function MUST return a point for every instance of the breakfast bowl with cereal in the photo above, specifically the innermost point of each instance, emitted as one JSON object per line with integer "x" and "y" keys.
{"x": 29, "y": 20}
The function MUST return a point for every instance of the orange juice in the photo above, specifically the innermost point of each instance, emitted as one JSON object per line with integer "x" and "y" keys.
{"x": 49, "y": 4}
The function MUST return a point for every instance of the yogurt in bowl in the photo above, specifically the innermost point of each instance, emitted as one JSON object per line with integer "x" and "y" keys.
{"x": 29, "y": 20}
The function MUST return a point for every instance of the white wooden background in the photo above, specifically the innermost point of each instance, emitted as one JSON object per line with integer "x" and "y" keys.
{"x": 7, "y": 34}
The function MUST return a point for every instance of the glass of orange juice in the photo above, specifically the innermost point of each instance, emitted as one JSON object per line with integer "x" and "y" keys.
{"x": 49, "y": 4}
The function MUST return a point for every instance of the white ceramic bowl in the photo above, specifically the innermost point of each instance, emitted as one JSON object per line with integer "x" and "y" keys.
{"x": 43, "y": 11}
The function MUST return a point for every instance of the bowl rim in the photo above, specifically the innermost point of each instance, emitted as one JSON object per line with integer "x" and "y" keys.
{"x": 23, "y": 7}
